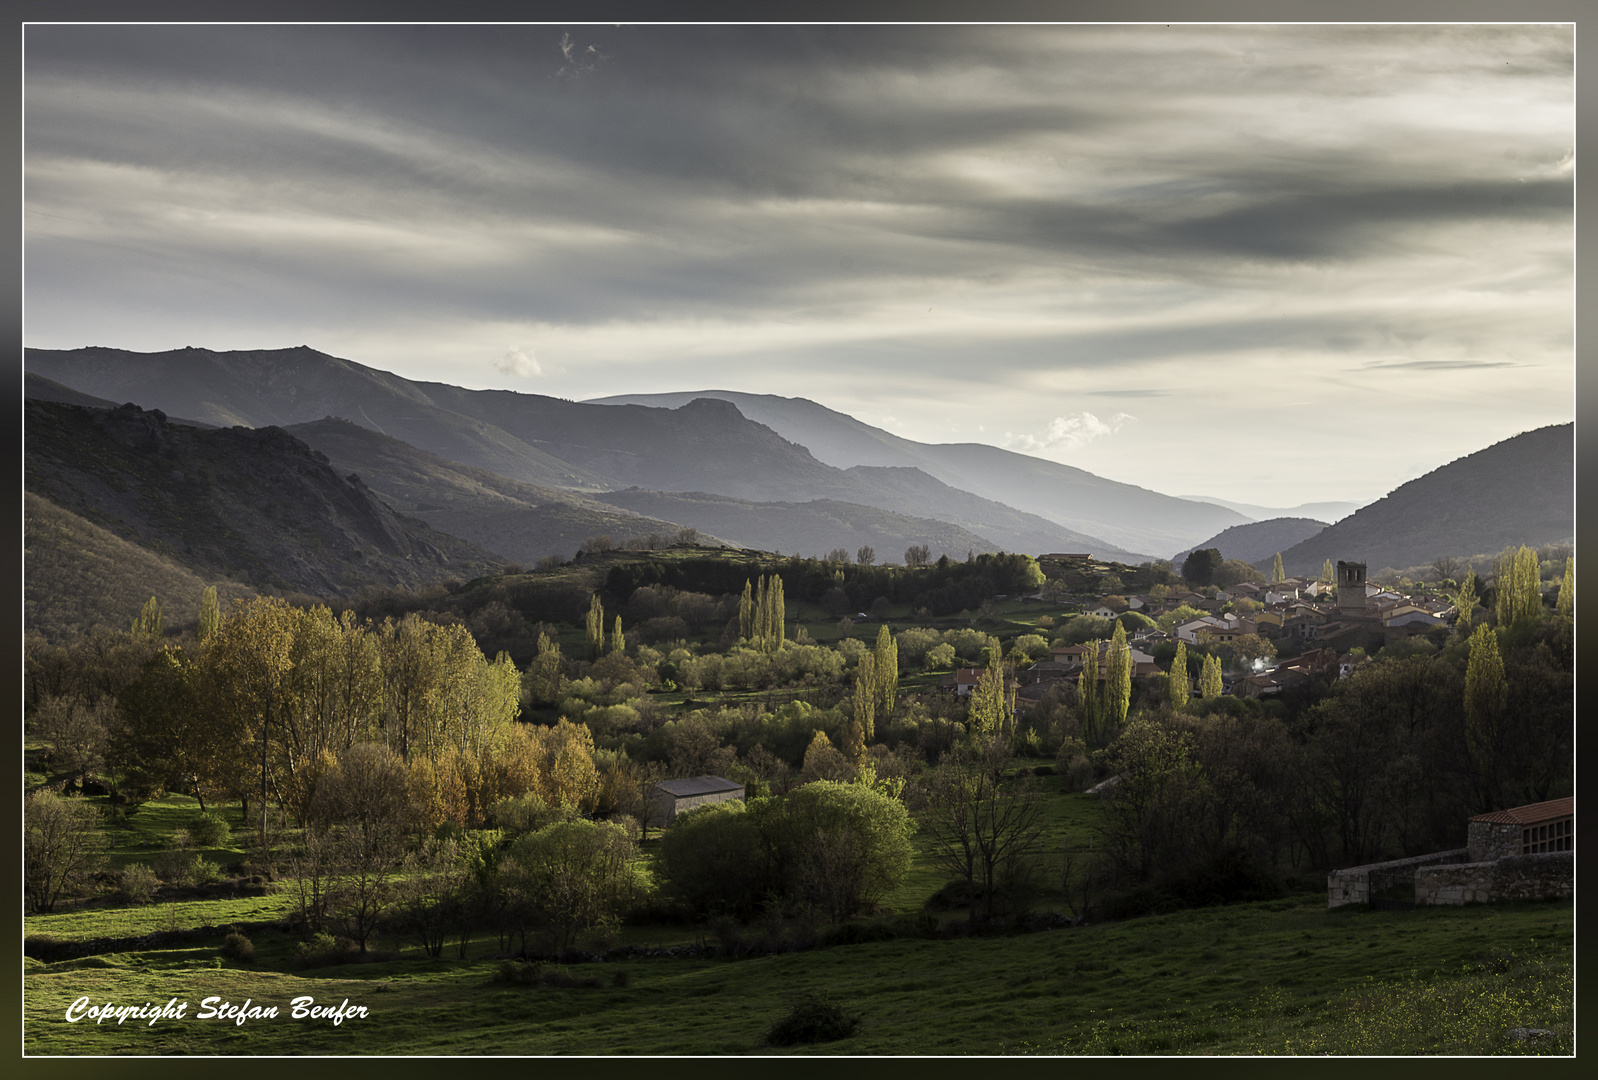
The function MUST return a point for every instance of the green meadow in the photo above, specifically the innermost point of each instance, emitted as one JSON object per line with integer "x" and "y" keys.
{"x": 1277, "y": 977}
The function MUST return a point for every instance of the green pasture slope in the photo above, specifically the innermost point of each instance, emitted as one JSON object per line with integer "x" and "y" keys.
{"x": 1277, "y": 977}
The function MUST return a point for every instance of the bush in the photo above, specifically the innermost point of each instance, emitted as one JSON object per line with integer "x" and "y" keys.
{"x": 320, "y": 951}
{"x": 814, "y": 1018}
{"x": 139, "y": 883}
{"x": 238, "y": 947}
{"x": 209, "y": 830}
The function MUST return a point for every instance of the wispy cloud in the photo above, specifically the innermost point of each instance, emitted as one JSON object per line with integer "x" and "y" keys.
{"x": 1067, "y": 433}
{"x": 519, "y": 361}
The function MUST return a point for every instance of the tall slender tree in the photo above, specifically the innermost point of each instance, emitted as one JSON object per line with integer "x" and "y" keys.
{"x": 865, "y": 695}
{"x": 1178, "y": 685}
{"x": 618, "y": 643}
{"x": 150, "y": 625}
{"x": 886, "y": 667}
{"x": 596, "y": 626}
{"x": 1118, "y": 677}
{"x": 1327, "y": 573}
{"x": 210, "y": 614}
{"x": 1277, "y": 574}
{"x": 1210, "y": 685}
{"x": 1567, "y": 590}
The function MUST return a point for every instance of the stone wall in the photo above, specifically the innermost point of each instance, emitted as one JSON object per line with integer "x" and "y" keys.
{"x": 1357, "y": 884}
{"x": 1489, "y": 840}
{"x": 1514, "y": 877}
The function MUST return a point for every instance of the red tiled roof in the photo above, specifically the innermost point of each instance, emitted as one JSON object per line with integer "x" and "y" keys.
{"x": 1531, "y": 813}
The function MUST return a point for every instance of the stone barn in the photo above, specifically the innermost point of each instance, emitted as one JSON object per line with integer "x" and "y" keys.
{"x": 671, "y": 797}
{"x": 1523, "y": 830}
{"x": 1523, "y": 853}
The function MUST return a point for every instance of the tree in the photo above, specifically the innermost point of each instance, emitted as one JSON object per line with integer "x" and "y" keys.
{"x": 866, "y": 555}
{"x": 1179, "y": 688}
{"x": 150, "y": 625}
{"x": 1519, "y": 586}
{"x": 1087, "y": 693}
{"x": 837, "y": 555}
{"x": 361, "y": 814}
{"x": 1278, "y": 575}
{"x": 1566, "y": 604}
{"x": 62, "y": 848}
{"x": 1447, "y": 567}
{"x": 917, "y": 555}
{"x": 578, "y": 876}
{"x": 1118, "y": 677}
{"x": 1465, "y": 602}
{"x": 210, "y": 615}
{"x": 865, "y": 699}
{"x": 542, "y": 680}
{"x": 841, "y": 847}
{"x": 987, "y": 714}
{"x": 978, "y": 827}
{"x": 715, "y": 859}
{"x": 1486, "y": 695}
{"x": 596, "y": 626}
{"x": 618, "y": 643}
{"x": 77, "y": 733}
{"x": 886, "y": 670}
{"x": 1200, "y": 566}
{"x": 1210, "y": 684}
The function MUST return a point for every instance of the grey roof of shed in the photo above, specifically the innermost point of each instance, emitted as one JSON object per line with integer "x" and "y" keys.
{"x": 698, "y": 785}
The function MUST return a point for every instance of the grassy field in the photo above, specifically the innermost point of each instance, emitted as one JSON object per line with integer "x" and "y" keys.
{"x": 1279, "y": 977}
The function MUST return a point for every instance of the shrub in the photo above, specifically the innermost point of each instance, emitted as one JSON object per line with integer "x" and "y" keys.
{"x": 209, "y": 830}
{"x": 139, "y": 883}
{"x": 238, "y": 947}
{"x": 814, "y": 1018}
{"x": 320, "y": 951}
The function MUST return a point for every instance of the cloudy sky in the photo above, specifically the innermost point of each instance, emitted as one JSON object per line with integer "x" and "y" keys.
{"x": 1274, "y": 264}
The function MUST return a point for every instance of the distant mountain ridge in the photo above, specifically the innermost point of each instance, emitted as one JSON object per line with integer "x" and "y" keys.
{"x": 252, "y": 505}
{"x": 706, "y": 445}
{"x": 1518, "y": 491}
{"x": 1258, "y": 539}
{"x": 1123, "y": 515}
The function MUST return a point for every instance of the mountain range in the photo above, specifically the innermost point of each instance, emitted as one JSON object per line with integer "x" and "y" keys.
{"x": 1121, "y": 514}
{"x": 704, "y": 445}
{"x": 264, "y": 485}
{"x": 1518, "y": 491}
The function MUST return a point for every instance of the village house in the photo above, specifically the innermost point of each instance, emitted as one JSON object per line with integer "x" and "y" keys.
{"x": 669, "y": 798}
{"x": 1523, "y": 853}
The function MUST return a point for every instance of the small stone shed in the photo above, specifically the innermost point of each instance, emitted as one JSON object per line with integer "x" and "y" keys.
{"x": 671, "y": 797}
{"x": 1523, "y": 830}
{"x": 1523, "y": 853}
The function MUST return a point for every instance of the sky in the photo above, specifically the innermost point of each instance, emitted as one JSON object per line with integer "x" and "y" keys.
{"x": 1269, "y": 263}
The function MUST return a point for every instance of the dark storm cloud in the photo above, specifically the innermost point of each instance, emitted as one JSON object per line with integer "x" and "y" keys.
{"x": 884, "y": 207}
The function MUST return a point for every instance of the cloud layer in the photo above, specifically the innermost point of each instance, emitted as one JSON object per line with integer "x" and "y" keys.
{"x": 1011, "y": 227}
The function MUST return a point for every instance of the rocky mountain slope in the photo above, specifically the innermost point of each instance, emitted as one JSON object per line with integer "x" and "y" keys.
{"x": 255, "y": 506}
{"x": 701, "y": 446}
{"x": 1124, "y": 516}
{"x": 1519, "y": 491}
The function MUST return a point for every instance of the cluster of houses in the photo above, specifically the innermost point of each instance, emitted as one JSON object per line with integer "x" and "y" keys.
{"x": 1327, "y": 630}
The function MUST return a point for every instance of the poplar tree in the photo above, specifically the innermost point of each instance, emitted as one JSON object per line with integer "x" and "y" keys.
{"x": 746, "y": 611}
{"x": 210, "y": 614}
{"x": 1087, "y": 692}
{"x": 865, "y": 695}
{"x": 596, "y": 626}
{"x": 1210, "y": 685}
{"x": 150, "y": 624}
{"x": 886, "y": 666}
{"x": 1567, "y": 590}
{"x": 1277, "y": 575}
{"x": 1327, "y": 573}
{"x": 1486, "y": 695}
{"x": 1178, "y": 682}
{"x": 618, "y": 643}
{"x": 1465, "y": 602}
{"x": 1519, "y": 588}
{"x": 986, "y": 715}
{"x": 1118, "y": 677}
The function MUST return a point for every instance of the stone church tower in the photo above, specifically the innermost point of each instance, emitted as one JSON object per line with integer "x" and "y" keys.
{"x": 1351, "y": 590}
